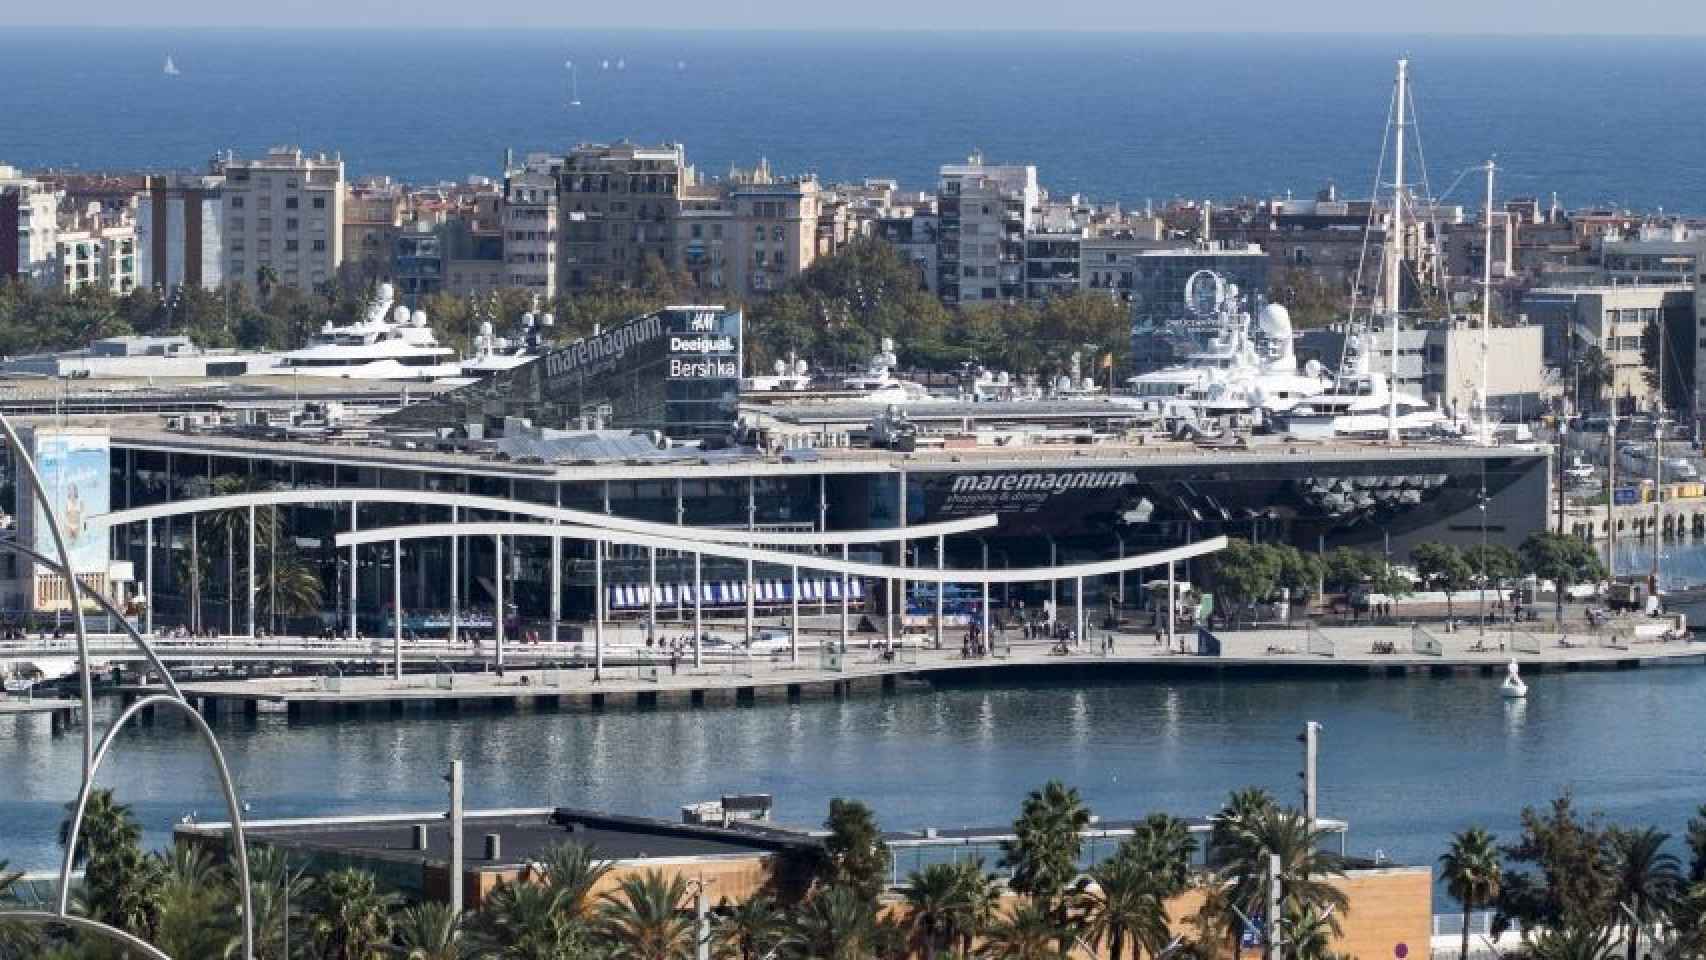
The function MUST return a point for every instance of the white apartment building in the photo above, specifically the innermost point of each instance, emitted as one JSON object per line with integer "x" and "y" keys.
{"x": 283, "y": 211}
{"x": 984, "y": 212}
{"x": 97, "y": 248}
{"x": 179, "y": 232}
{"x": 29, "y": 227}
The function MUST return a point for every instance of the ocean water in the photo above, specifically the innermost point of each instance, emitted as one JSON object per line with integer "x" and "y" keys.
{"x": 1114, "y": 116}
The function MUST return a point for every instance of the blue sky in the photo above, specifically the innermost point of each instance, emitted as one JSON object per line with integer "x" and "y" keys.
{"x": 1641, "y": 17}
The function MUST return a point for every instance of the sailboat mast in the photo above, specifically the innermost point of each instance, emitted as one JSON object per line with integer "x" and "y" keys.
{"x": 1395, "y": 255}
{"x": 1659, "y": 463}
{"x": 1486, "y": 306}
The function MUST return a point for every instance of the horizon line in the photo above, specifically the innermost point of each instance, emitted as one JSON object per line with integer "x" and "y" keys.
{"x": 866, "y": 29}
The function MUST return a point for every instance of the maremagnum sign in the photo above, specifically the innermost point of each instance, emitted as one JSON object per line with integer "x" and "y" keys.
{"x": 592, "y": 353}
{"x": 1044, "y": 501}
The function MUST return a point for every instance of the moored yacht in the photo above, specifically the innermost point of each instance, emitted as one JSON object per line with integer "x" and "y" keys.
{"x": 390, "y": 342}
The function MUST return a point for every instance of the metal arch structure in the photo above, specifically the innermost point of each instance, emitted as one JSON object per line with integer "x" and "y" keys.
{"x": 1098, "y": 568}
{"x": 92, "y": 757}
{"x": 544, "y": 512}
{"x": 44, "y": 918}
{"x": 230, "y": 789}
{"x": 64, "y": 568}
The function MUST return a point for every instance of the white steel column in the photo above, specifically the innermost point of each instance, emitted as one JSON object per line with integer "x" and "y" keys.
{"x": 941, "y": 591}
{"x": 751, "y": 524}
{"x": 598, "y": 611}
{"x": 794, "y": 622}
{"x": 988, "y": 640}
{"x": 148, "y": 580}
{"x": 651, "y": 593}
{"x": 698, "y": 607}
{"x": 556, "y": 584}
{"x": 455, "y": 579}
{"x": 1172, "y": 599}
{"x": 498, "y": 599}
{"x": 844, "y": 602}
{"x": 1078, "y": 609}
{"x": 353, "y": 573}
{"x": 397, "y": 610}
{"x": 1121, "y": 594}
{"x": 252, "y": 573}
{"x": 1053, "y": 584}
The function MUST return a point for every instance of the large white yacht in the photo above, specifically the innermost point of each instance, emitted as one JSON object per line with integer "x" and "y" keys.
{"x": 1242, "y": 365}
{"x": 495, "y": 354}
{"x": 389, "y": 343}
{"x": 878, "y": 384}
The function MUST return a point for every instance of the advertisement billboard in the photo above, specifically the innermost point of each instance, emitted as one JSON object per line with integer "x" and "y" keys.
{"x": 75, "y": 472}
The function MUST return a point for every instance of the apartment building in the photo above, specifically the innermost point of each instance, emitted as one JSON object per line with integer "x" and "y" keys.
{"x": 374, "y": 213}
{"x": 1614, "y": 317}
{"x": 97, "y": 248}
{"x": 1443, "y": 363}
{"x": 29, "y": 227}
{"x": 776, "y": 230}
{"x": 984, "y": 212}
{"x": 618, "y": 206}
{"x": 705, "y": 235}
{"x": 531, "y": 220}
{"x": 180, "y": 232}
{"x": 284, "y": 212}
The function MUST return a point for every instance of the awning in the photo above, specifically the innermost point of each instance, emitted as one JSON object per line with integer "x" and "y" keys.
{"x": 727, "y": 593}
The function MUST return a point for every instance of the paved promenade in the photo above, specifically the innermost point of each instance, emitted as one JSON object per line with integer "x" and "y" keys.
{"x": 725, "y": 678}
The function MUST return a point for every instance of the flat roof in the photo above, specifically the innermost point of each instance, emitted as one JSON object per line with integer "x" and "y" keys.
{"x": 525, "y": 836}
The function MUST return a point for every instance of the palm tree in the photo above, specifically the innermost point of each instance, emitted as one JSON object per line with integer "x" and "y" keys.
{"x": 1121, "y": 904}
{"x": 1242, "y": 807}
{"x": 1162, "y": 847}
{"x": 279, "y": 894}
{"x": 643, "y": 918}
{"x": 1304, "y": 866}
{"x": 121, "y": 883}
{"x": 935, "y": 895}
{"x": 1029, "y": 933}
{"x": 1309, "y": 935}
{"x": 16, "y": 939}
{"x": 1647, "y": 880}
{"x": 194, "y": 905}
{"x": 526, "y": 921}
{"x": 1043, "y": 854}
{"x": 432, "y": 931}
{"x": 351, "y": 918}
{"x": 749, "y": 930}
{"x": 1572, "y": 943}
{"x": 1472, "y": 873}
{"x": 835, "y": 924}
{"x": 572, "y": 870}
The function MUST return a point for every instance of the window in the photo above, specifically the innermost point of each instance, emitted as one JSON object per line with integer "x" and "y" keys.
{"x": 290, "y": 245}
{"x": 290, "y": 203}
{"x": 290, "y": 223}
{"x": 758, "y": 233}
{"x": 319, "y": 203}
{"x": 698, "y": 231}
{"x": 265, "y": 224}
{"x": 237, "y": 203}
{"x": 319, "y": 246}
{"x": 778, "y": 259}
{"x": 716, "y": 231}
{"x": 776, "y": 234}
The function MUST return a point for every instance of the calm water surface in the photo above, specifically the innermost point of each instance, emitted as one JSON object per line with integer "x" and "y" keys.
{"x": 1407, "y": 761}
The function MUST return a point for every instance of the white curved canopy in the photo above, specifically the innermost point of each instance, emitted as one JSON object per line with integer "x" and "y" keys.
{"x": 428, "y": 531}
{"x": 468, "y": 501}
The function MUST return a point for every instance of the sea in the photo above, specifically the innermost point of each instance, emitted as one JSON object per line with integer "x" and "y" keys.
{"x": 1115, "y": 116}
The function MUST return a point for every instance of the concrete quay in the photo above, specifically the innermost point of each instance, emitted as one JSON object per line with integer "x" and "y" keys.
{"x": 1342, "y": 651}
{"x": 61, "y": 712}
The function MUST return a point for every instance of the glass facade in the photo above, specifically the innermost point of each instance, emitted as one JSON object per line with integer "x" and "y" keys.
{"x": 1158, "y": 309}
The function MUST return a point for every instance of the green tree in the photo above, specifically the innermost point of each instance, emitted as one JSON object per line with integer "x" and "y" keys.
{"x": 279, "y": 893}
{"x": 1572, "y": 943}
{"x": 195, "y": 906}
{"x": 1471, "y": 870}
{"x": 1494, "y": 563}
{"x": 121, "y": 884}
{"x": 432, "y": 931}
{"x": 350, "y": 918}
{"x": 1306, "y": 870}
{"x": 1243, "y": 574}
{"x": 1162, "y": 847}
{"x": 1443, "y": 567}
{"x": 1594, "y": 376}
{"x": 856, "y": 858}
{"x": 1029, "y": 932}
{"x": 749, "y": 930}
{"x": 836, "y": 923}
{"x": 1047, "y": 842}
{"x": 1312, "y": 301}
{"x": 1678, "y": 379}
{"x": 1123, "y": 903}
{"x": 643, "y": 918}
{"x": 1563, "y": 558}
{"x": 1646, "y": 881}
{"x": 935, "y": 897}
{"x": 16, "y": 939}
{"x": 525, "y": 921}
{"x": 1299, "y": 571}
{"x": 1565, "y": 872}
{"x": 572, "y": 870}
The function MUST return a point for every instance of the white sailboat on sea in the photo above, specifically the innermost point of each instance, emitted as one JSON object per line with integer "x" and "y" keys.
{"x": 574, "y": 85}
{"x": 171, "y": 69}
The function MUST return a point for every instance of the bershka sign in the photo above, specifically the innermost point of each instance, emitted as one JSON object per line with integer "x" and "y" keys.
{"x": 610, "y": 345}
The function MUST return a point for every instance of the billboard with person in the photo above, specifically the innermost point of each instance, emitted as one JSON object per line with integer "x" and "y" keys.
{"x": 77, "y": 478}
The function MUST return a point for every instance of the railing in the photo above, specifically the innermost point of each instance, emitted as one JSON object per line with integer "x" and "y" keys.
{"x": 1318, "y": 643}
{"x": 1425, "y": 643}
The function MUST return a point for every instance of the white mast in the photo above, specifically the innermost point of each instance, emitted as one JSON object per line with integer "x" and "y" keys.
{"x": 1658, "y": 463}
{"x": 1395, "y": 257}
{"x": 1487, "y": 307}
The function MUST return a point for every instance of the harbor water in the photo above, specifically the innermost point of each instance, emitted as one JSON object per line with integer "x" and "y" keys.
{"x": 1406, "y": 760}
